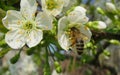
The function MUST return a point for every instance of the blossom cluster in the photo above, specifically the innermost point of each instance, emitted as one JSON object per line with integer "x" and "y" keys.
{"x": 26, "y": 27}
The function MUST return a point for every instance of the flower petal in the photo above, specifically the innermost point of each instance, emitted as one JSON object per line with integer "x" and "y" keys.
{"x": 34, "y": 38}
{"x": 63, "y": 40}
{"x": 62, "y": 24}
{"x": 77, "y": 17}
{"x": 80, "y": 9}
{"x": 28, "y": 8}
{"x": 12, "y": 20}
{"x": 87, "y": 33}
{"x": 66, "y": 3}
{"x": 44, "y": 21}
{"x": 55, "y": 11}
{"x": 15, "y": 39}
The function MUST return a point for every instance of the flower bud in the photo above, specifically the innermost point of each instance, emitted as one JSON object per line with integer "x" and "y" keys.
{"x": 101, "y": 25}
{"x": 100, "y": 10}
{"x": 110, "y": 7}
{"x": 97, "y": 25}
{"x": 115, "y": 42}
{"x": 57, "y": 67}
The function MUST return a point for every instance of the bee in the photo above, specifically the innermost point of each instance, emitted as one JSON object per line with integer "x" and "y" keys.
{"x": 77, "y": 40}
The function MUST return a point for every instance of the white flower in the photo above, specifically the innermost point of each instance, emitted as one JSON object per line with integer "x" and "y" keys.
{"x": 74, "y": 19}
{"x": 68, "y": 5}
{"x": 78, "y": 15}
{"x": 101, "y": 25}
{"x": 110, "y": 7}
{"x": 54, "y": 7}
{"x": 24, "y": 27}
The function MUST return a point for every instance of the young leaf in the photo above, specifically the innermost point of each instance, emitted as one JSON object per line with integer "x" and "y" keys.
{"x": 15, "y": 58}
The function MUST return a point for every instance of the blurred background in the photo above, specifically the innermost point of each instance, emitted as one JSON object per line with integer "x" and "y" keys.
{"x": 101, "y": 55}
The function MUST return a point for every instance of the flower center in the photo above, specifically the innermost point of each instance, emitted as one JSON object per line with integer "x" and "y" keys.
{"x": 51, "y": 4}
{"x": 28, "y": 25}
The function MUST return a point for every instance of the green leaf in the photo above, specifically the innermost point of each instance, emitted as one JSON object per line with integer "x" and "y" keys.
{"x": 15, "y": 58}
{"x": 30, "y": 51}
{"x": 12, "y": 2}
{"x": 2, "y": 43}
{"x": 59, "y": 56}
{"x": 2, "y": 28}
{"x": 4, "y": 51}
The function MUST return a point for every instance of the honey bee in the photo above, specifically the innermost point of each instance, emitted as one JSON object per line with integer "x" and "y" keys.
{"x": 77, "y": 40}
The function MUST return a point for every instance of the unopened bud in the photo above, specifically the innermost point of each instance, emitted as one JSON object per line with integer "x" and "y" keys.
{"x": 97, "y": 25}
{"x": 110, "y": 7}
{"x": 101, "y": 11}
{"x": 101, "y": 25}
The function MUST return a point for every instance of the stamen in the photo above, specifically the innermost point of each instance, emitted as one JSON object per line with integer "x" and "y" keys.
{"x": 51, "y": 4}
{"x": 28, "y": 25}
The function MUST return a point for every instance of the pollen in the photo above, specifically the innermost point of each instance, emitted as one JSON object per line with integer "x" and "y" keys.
{"x": 36, "y": 4}
{"x": 33, "y": 14}
{"x": 30, "y": 39}
{"x": 28, "y": 25}
{"x": 10, "y": 29}
{"x": 51, "y": 4}
{"x": 85, "y": 38}
{"x": 17, "y": 40}
{"x": 18, "y": 22}
{"x": 9, "y": 12}
{"x": 6, "y": 22}
{"x": 86, "y": 28}
{"x": 46, "y": 27}
{"x": 20, "y": 32}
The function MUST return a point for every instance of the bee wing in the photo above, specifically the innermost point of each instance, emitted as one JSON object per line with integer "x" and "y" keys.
{"x": 83, "y": 36}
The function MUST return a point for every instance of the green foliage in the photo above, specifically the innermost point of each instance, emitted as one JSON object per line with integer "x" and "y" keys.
{"x": 46, "y": 69}
{"x": 14, "y": 59}
{"x": 4, "y": 51}
{"x": 92, "y": 49}
{"x": 2, "y": 14}
{"x": 30, "y": 51}
{"x": 115, "y": 42}
{"x": 57, "y": 67}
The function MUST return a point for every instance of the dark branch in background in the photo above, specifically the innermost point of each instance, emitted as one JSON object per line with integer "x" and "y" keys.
{"x": 100, "y": 50}
{"x": 99, "y": 35}
{"x": 39, "y": 4}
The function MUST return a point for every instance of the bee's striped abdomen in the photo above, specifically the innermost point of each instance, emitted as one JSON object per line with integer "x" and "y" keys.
{"x": 79, "y": 46}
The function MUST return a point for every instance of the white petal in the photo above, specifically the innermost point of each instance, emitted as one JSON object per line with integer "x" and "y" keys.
{"x": 12, "y": 20}
{"x": 110, "y": 7}
{"x": 28, "y": 8}
{"x": 62, "y": 24}
{"x": 55, "y": 11}
{"x": 15, "y": 39}
{"x": 86, "y": 32}
{"x": 77, "y": 17}
{"x": 80, "y": 9}
{"x": 43, "y": 2}
{"x": 34, "y": 38}
{"x": 63, "y": 40}
{"x": 44, "y": 21}
{"x": 66, "y": 2}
